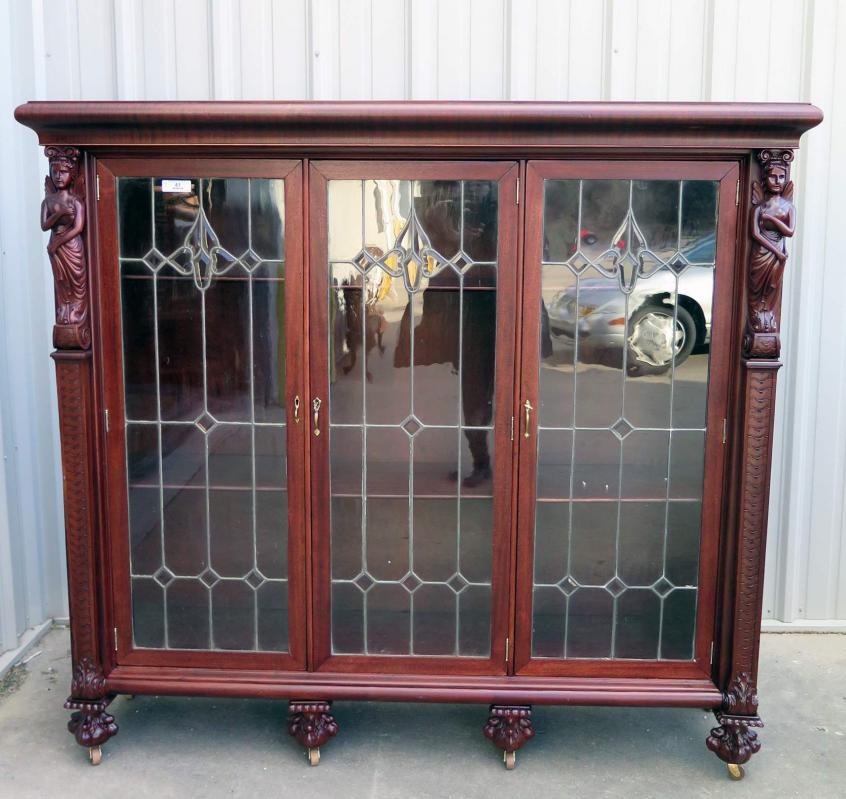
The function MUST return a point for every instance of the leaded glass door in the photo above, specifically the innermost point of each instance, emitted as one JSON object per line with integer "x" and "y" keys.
{"x": 412, "y": 280}
{"x": 202, "y": 287}
{"x": 627, "y": 287}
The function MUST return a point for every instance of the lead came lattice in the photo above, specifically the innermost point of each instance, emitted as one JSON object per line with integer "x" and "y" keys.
{"x": 214, "y": 607}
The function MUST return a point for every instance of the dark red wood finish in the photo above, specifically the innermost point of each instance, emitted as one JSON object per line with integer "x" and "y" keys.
{"x": 487, "y": 129}
{"x": 107, "y": 280}
{"x": 653, "y": 137}
{"x": 727, "y": 173}
{"x": 318, "y": 283}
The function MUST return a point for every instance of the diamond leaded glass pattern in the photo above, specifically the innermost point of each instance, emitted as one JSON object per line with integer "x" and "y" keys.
{"x": 203, "y": 311}
{"x": 627, "y": 283}
{"x": 413, "y": 323}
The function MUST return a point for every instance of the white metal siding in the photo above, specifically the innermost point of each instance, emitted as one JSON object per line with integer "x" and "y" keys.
{"x": 425, "y": 49}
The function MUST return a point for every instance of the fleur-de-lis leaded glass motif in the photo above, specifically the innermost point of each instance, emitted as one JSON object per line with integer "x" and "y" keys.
{"x": 629, "y": 256}
{"x": 201, "y": 253}
{"x": 412, "y": 257}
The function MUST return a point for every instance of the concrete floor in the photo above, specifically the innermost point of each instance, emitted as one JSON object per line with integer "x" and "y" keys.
{"x": 175, "y": 747}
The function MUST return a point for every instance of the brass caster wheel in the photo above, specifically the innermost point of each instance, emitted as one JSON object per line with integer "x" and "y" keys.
{"x": 735, "y": 771}
{"x": 95, "y": 755}
{"x": 313, "y": 755}
{"x": 510, "y": 760}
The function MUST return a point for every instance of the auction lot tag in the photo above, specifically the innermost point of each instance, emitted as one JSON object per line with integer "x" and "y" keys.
{"x": 176, "y": 185}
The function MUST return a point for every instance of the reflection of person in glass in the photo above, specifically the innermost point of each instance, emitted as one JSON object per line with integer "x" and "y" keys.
{"x": 461, "y": 332}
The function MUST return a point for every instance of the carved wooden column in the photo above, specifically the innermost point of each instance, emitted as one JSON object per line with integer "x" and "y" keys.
{"x": 63, "y": 214}
{"x": 772, "y": 222}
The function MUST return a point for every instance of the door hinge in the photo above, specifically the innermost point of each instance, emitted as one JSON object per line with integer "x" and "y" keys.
{"x": 737, "y": 193}
{"x": 512, "y": 428}
{"x": 106, "y": 417}
{"x": 518, "y": 191}
{"x": 116, "y": 639}
{"x": 711, "y": 661}
{"x": 507, "y": 647}
{"x": 98, "y": 187}
{"x": 725, "y": 430}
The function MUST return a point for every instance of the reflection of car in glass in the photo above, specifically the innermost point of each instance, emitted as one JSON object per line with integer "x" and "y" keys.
{"x": 657, "y": 329}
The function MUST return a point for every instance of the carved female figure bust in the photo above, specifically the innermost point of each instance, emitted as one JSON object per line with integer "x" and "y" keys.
{"x": 773, "y": 221}
{"x": 63, "y": 214}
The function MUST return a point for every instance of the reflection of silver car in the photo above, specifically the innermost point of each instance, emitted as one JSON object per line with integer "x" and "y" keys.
{"x": 657, "y": 329}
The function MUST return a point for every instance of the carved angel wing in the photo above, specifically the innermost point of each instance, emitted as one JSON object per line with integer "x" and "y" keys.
{"x": 79, "y": 185}
{"x": 757, "y": 193}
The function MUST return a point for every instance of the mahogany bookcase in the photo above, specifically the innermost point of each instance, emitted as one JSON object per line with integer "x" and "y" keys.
{"x": 445, "y": 402}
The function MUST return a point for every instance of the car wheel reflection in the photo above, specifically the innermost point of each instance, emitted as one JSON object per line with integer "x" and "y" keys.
{"x": 659, "y": 333}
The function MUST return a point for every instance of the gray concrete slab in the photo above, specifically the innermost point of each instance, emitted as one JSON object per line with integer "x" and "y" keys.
{"x": 178, "y": 747}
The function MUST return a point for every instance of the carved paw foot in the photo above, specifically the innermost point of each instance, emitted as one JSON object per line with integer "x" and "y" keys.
{"x": 91, "y": 725}
{"x": 509, "y": 727}
{"x": 312, "y": 725}
{"x": 735, "y": 741}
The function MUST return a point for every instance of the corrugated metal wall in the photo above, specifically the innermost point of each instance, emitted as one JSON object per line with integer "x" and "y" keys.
{"x": 424, "y": 49}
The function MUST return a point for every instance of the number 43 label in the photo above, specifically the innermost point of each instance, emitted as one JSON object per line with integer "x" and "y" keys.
{"x": 176, "y": 186}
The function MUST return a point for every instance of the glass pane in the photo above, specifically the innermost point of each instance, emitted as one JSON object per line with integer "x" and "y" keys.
{"x": 412, "y": 309}
{"x": 203, "y": 310}
{"x": 627, "y": 284}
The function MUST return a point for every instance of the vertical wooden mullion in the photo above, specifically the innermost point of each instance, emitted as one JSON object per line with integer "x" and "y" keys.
{"x": 527, "y": 383}
{"x": 318, "y": 446}
{"x": 294, "y": 379}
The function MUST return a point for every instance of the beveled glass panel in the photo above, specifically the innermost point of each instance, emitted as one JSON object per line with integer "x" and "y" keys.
{"x": 203, "y": 310}
{"x": 558, "y": 328}
{"x": 474, "y": 620}
{"x": 348, "y": 616}
{"x": 231, "y": 532}
{"x": 549, "y": 615}
{"x": 230, "y": 456}
{"x": 135, "y": 217}
{"x": 179, "y": 314}
{"x": 228, "y": 371}
{"x": 145, "y": 530}
{"x": 590, "y": 621}
{"x": 269, "y": 347}
{"x": 148, "y": 616}
{"x": 387, "y": 539}
{"x": 272, "y": 616}
{"x": 638, "y": 624}
{"x": 188, "y": 606}
{"x": 233, "y": 614}
{"x": 679, "y": 624}
{"x": 475, "y": 554}
{"x": 412, "y": 332}
{"x": 139, "y": 335}
{"x": 435, "y": 556}
{"x": 641, "y": 548}
{"x": 388, "y": 611}
{"x": 561, "y": 219}
{"x": 627, "y": 285}
{"x": 434, "y": 619}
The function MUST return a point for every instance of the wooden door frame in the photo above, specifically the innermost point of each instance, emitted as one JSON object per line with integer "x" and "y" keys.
{"x": 317, "y": 286}
{"x": 109, "y": 357}
{"x": 727, "y": 172}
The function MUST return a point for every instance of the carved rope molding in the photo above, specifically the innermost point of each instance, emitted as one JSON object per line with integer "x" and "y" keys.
{"x": 759, "y": 400}
{"x": 71, "y": 379}
{"x": 63, "y": 214}
{"x": 90, "y": 724}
